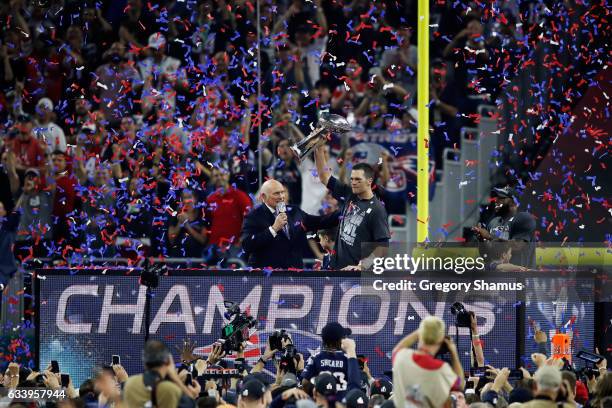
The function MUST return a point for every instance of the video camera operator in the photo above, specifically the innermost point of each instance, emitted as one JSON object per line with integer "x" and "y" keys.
{"x": 418, "y": 374}
{"x": 290, "y": 361}
{"x": 338, "y": 357}
{"x": 160, "y": 384}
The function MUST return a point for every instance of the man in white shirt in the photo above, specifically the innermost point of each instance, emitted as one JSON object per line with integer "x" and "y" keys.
{"x": 45, "y": 129}
{"x": 419, "y": 378}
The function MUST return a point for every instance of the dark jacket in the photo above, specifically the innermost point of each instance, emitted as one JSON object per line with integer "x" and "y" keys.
{"x": 8, "y": 232}
{"x": 265, "y": 250}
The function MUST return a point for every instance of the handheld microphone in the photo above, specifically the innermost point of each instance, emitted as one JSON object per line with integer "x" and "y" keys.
{"x": 282, "y": 208}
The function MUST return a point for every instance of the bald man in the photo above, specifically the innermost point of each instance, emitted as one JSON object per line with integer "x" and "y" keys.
{"x": 276, "y": 239}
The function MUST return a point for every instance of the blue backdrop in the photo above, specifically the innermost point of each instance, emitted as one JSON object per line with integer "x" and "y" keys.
{"x": 86, "y": 318}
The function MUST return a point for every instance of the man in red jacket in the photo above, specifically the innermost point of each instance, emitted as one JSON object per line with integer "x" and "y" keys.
{"x": 65, "y": 195}
{"x": 225, "y": 211}
{"x": 29, "y": 152}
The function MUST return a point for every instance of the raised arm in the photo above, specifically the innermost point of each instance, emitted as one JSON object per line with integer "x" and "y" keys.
{"x": 407, "y": 341}
{"x": 321, "y": 20}
{"x": 323, "y": 169}
{"x": 478, "y": 353}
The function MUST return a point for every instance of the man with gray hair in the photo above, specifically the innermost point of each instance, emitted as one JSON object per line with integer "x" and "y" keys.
{"x": 548, "y": 381}
{"x": 274, "y": 234}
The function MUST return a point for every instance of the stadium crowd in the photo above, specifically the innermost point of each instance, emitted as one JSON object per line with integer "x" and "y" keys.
{"x": 131, "y": 128}
{"x": 430, "y": 375}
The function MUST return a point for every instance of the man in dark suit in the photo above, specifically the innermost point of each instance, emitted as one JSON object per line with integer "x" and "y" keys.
{"x": 273, "y": 238}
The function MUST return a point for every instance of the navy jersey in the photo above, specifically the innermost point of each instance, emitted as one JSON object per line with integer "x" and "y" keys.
{"x": 345, "y": 370}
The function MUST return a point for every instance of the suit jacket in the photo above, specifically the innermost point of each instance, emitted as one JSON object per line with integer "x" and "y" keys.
{"x": 265, "y": 250}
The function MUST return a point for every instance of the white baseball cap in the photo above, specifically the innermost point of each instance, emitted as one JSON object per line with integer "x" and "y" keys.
{"x": 157, "y": 41}
{"x": 45, "y": 103}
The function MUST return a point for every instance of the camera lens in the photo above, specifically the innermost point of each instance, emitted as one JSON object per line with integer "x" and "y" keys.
{"x": 457, "y": 307}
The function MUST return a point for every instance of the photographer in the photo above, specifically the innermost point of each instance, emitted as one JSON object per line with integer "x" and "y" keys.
{"x": 338, "y": 357}
{"x": 418, "y": 374}
{"x": 290, "y": 362}
{"x": 160, "y": 384}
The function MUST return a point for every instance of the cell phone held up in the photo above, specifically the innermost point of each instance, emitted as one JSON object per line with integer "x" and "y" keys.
{"x": 55, "y": 367}
{"x": 515, "y": 374}
{"x": 116, "y": 360}
{"x": 478, "y": 372}
{"x": 65, "y": 379}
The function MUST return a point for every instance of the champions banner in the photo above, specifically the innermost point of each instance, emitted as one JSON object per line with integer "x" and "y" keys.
{"x": 86, "y": 316}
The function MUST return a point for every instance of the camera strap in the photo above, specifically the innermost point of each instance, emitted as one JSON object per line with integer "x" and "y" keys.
{"x": 150, "y": 380}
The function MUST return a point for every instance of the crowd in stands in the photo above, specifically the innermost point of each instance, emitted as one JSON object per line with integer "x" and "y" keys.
{"x": 131, "y": 128}
{"x": 428, "y": 375}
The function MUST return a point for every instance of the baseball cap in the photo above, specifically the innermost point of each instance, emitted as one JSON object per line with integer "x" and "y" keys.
{"x": 355, "y": 398}
{"x": 89, "y": 127}
{"x": 334, "y": 331}
{"x": 305, "y": 403}
{"x": 289, "y": 380}
{"x": 45, "y": 103}
{"x": 548, "y": 377}
{"x": 157, "y": 41}
{"x": 32, "y": 172}
{"x": 259, "y": 376}
{"x": 252, "y": 389}
{"x": 388, "y": 404}
{"x": 325, "y": 384}
{"x": 383, "y": 387}
{"x": 503, "y": 192}
{"x": 520, "y": 395}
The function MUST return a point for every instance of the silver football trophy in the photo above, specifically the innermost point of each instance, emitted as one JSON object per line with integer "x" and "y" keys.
{"x": 329, "y": 122}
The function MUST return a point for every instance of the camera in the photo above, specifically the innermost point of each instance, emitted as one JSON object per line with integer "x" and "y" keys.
{"x": 589, "y": 372}
{"x": 287, "y": 360}
{"x": 276, "y": 339}
{"x": 288, "y": 352}
{"x": 462, "y": 316}
{"x": 443, "y": 352}
{"x": 149, "y": 276}
{"x": 236, "y": 331}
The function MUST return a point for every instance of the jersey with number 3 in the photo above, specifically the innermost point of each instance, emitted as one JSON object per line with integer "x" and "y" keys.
{"x": 333, "y": 362}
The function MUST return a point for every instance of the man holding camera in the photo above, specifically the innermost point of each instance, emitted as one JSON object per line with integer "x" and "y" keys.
{"x": 509, "y": 224}
{"x": 291, "y": 362}
{"x": 160, "y": 384}
{"x": 418, "y": 375}
{"x": 337, "y": 357}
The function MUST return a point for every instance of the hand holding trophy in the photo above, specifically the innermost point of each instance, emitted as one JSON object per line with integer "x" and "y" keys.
{"x": 327, "y": 123}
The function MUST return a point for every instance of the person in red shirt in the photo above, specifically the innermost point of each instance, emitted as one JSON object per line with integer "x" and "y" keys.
{"x": 225, "y": 210}
{"x": 29, "y": 152}
{"x": 65, "y": 196}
